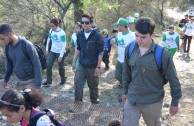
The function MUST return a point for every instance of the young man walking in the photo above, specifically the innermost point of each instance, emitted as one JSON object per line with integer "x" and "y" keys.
{"x": 123, "y": 38}
{"x": 171, "y": 40}
{"x": 90, "y": 47}
{"x": 188, "y": 32}
{"x": 143, "y": 90}
{"x": 27, "y": 69}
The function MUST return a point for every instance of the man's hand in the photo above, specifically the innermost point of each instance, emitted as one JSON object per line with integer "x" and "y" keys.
{"x": 97, "y": 72}
{"x": 173, "y": 110}
{"x": 124, "y": 97}
{"x": 60, "y": 59}
{"x": 5, "y": 86}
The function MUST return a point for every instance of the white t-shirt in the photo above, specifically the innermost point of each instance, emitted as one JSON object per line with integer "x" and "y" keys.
{"x": 58, "y": 38}
{"x": 189, "y": 29}
{"x": 87, "y": 34}
{"x": 122, "y": 41}
{"x": 170, "y": 40}
{"x": 74, "y": 39}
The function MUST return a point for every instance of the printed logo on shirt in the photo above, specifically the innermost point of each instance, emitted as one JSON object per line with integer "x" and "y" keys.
{"x": 170, "y": 39}
{"x": 54, "y": 37}
{"x": 190, "y": 27}
{"x": 121, "y": 42}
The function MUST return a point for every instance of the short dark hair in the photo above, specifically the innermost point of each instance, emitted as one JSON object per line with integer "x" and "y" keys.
{"x": 145, "y": 25}
{"x": 89, "y": 17}
{"x": 5, "y": 29}
{"x": 186, "y": 15}
{"x": 114, "y": 122}
{"x": 28, "y": 99}
{"x": 114, "y": 31}
{"x": 56, "y": 21}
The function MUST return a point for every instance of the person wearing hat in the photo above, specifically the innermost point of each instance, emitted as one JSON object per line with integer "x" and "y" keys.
{"x": 188, "y": 32}
{"x": 171, "y": 40}
{"x": 136, "y": 16}
{"x": 123, "y": 38}
{"x": 107, "y": 48}
{"x": 132, "y": 22}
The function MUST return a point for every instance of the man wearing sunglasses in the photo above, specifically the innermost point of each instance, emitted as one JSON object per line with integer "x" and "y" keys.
{"x": 90, "y": 47}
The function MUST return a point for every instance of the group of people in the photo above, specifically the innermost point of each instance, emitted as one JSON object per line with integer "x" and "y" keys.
{"x": 184, "y": 31}
{"x": 136, "y": 71}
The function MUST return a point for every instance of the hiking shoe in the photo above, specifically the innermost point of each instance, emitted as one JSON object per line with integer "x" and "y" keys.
{"x": 45, "y": 84}
{"x": 62, "y": 82}
{"x": 95, "y": 101}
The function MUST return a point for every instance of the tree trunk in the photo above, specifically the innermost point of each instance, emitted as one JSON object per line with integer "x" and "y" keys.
{"x": 78, "y": 10}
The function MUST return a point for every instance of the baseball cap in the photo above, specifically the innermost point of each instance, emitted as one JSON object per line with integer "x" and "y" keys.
{"x": 136, "y": 15}
{"x": 132, "y": 20}
{"x": 122, "y": 22}
{"x": 104, "y": 31}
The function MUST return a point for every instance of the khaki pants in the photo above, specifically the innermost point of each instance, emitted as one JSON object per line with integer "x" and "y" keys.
{"x": 151, "y": 114}
{"x": 115, "y": 56}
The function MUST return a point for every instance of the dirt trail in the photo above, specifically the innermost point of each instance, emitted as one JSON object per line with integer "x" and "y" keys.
{"x": 60, "y": 98}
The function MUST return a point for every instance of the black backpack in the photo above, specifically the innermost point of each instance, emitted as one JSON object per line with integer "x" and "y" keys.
{"x": 39, "y": 50}
{"x": 49, "y": 112}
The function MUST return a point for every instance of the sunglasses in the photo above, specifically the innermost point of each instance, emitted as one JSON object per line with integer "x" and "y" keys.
{"x": 85, "y": 22}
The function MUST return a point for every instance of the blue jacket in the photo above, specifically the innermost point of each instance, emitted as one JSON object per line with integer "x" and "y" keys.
{"x": 107, "y": 44}
{"x": 89, "y": 48}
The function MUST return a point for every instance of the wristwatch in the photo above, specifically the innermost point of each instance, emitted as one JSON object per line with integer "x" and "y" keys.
{"x": 98, "y": 67}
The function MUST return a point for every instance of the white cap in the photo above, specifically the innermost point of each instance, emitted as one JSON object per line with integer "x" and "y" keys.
{"x": 136, "y": 15}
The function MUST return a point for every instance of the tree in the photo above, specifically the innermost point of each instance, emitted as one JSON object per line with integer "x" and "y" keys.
{"x": 78, "y": 10}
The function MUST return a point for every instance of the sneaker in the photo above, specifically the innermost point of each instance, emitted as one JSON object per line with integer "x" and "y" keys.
{"x": 62, "y": 82}
{"x": 45, "y": 84}
{"x": 95, "y": 102}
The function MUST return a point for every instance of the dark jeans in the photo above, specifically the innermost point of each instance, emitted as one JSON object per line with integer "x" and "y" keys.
{"x": 105, "y": 59}
{"x": 82, "y": 74}
{"x": 50, "y": 61}
{"x": 189, "y": 38}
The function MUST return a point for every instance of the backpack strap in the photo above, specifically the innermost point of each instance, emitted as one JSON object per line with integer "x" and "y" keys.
{"x": 51, "y": 112}
{"x": 131, "y": 47}
{"x": 34, "y": 118}
{"x": 24, "y": 49}
{"x": 158, "y": 56}
{"x": 158, "y": 59}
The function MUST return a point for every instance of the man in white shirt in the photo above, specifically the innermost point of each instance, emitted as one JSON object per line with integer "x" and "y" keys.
{"x": 123, "y": 38}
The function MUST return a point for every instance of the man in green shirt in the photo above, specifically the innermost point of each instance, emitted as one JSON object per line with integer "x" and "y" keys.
{"x": 143, "y": 90}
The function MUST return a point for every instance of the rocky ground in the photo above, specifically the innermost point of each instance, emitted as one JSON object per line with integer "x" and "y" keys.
{"x": 60, "y": 98}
